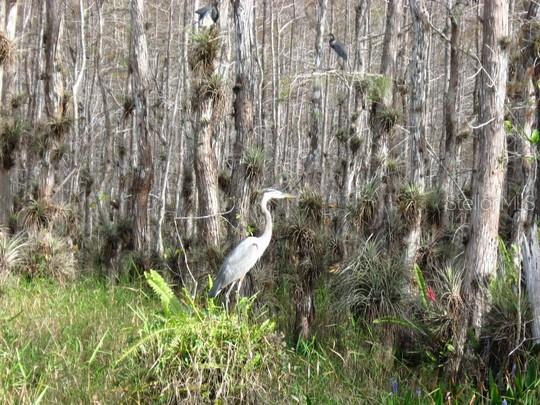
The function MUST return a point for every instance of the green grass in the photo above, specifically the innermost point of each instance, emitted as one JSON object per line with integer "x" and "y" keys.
{"x": 71, "y": 344}
{"x": 59, "y": 344}
{"x": 90, "y": 342}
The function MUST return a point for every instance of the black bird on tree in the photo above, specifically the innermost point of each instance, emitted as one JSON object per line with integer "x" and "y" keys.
{"x": 338, "y": 47}
{"x": 208, "y": 15}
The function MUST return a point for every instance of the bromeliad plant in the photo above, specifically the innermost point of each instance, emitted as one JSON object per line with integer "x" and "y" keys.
{"x": 433, "y": 319}
{"x": 12, "y": 252}
{"x": 372, "y": 285}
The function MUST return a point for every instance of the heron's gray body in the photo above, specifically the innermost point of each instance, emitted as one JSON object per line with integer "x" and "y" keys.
{"x": 239, "y": 262}
{"x": 244, "y": 256}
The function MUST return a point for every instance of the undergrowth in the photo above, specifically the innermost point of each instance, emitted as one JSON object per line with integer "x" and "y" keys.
{"x": 91, "y": 342}
{"x": 58, "y": 344}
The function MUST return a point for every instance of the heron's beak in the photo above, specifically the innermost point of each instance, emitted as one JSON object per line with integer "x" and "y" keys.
{"x": 291, "y": 196}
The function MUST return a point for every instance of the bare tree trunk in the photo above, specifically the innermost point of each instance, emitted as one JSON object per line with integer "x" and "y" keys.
{"x": 387, "y": 69}
{"x": 524, "y": 178}
{"x": 311, "y": 168}
{"x": 356, "y": 157}
{"x": 187, "y": 185}
{"x": 481, "y": 251}
{"x": 54, "y": 92}
{"x": 5, "y": 194}
{"x": 2, "y": 19}
{"x": 206, "y": 104}
{"x": 108, "y": 139}
{"x": 243, "y": 113}
{"x": 206, "y": 172}
{"x": 530, "y": 249}
{"x": 304, "y": 293}
{"x": 6, "y": 88}
{"x": 382, "y": 113}
{"x": 143, "y": 173}
{"x": 167, "y": 129}
{"x": 243, "y": 178}
{"x": 417, "y": 124}
{"x": 449, "y": 157}
{"x": 7, "y": 158}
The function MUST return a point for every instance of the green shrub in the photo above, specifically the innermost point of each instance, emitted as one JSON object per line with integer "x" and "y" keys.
{"x": 205, "y": 355}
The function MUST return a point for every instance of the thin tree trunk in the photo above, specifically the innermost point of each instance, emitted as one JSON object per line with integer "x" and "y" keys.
{"x": 6, "y": 88}
{"x": 524, "y": 178}
{"x": 304, "y": 293}
{"x": 387, "y": 69}
{"x": 243, "y": 113}
{"x": 6, "y": 84}
{"x": 5, "y": 195}
{"x": 449, "y": 156}
{"x": 206, "y": 106}
{"x": 206, "y": 173}
{"x": 417, "y": 123}
{"x": 481, "y": 251}
{"x": 381, "y": 111}
{"x": 2, "y": 19}
{"x": 54, "y": 90}
{"x": 311, "y": 168}
{"x": 143, "y": 174}
{"x": 356, "y": 157}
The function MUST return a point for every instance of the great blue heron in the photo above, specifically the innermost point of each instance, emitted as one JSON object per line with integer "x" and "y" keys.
{"x": 244, "y": 256}
{"x": 208, "y": 15}
{"x": 338, "y": 47}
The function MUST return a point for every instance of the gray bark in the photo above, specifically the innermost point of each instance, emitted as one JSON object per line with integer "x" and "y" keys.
{"x": 524, "y": 176}
{"x": 54, "y": 88}
{"x": 417, "y": 121}
{"x": 143, "y": 173}
{"x": 449, "y": 155}
{"x": 481, "y": 251}
{"x": 244, "y": 96}
{"x": 311, "y": 168}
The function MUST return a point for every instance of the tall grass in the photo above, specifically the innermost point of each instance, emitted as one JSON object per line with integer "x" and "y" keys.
{"x": 90, "y": 342}
{"x": 58, "y": 344}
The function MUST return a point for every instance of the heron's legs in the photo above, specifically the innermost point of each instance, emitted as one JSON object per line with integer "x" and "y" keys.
{"x": 239, "y": 286}
{"x": 227, "y": 297}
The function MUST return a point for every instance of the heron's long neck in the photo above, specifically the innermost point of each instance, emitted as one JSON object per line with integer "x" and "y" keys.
{"x": 267, "y": 234}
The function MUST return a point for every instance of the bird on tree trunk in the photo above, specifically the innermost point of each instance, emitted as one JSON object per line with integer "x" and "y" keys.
{"x": 339, "y": 48}
{"x": 208, "y": 15}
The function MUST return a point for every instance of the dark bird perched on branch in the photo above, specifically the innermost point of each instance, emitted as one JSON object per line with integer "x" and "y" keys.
{"x": 208, "y": 15}
{"x": 338, "y": 47}
{"x": 244, "y": 256}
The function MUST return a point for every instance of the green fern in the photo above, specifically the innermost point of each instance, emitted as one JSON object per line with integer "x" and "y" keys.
{"x": 169, "y": 301}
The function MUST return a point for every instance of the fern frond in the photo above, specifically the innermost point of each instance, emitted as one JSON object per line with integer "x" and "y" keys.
{"x": 169, "y": 301}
